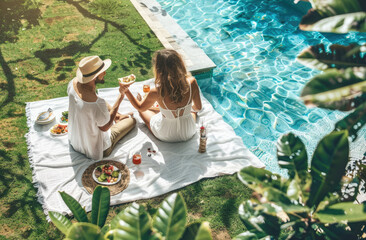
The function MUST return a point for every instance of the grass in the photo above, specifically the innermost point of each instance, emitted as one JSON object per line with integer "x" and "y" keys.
{"x": 41, "y": 43}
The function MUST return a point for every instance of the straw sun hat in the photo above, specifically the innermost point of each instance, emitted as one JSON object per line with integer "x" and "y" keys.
{"x": 91, "y": 67}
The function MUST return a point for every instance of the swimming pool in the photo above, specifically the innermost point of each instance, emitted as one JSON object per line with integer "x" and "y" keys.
{"x": 257, "y": 81}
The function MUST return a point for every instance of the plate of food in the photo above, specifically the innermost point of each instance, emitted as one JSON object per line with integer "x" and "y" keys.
{"x": 107, "y": 174}
{"x": 58, "y": 130}
{"x": 64, "y": 119}
{"x": 128, "y": 79}
{"x": 45, "y": 117}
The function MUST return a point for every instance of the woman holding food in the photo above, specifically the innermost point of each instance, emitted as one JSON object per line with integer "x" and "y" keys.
{"x": 177, "y": 94}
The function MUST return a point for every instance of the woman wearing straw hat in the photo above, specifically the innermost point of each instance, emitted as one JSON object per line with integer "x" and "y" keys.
{"x": 91, "y": 119}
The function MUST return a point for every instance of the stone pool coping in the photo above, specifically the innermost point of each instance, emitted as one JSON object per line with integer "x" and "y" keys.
{"x": 172, "y": 36}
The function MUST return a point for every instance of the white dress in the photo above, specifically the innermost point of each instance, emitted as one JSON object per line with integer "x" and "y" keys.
{"x": 174, "y": 128}
{"x": 84, "y": 119}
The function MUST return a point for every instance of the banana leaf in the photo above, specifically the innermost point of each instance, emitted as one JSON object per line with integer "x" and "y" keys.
{"x": 338, "y": 57}
{"x": 353, "y": 122}
{"x": 133, "y": 223}
{"x": 336, "y": 16}
{"x": 75, "y": 207}
{"x": 258, "y": 178}
{"x": 100, "y": 205}
{"x": 84, "y": 231}
{"x": 334, "y": 89}
{"x": 345, "y": 211}
{"x": 328, "y": 166}
{"x": 61, "y": 222}
{"x": 257, "y": 221}
{"x": 170, "y": 219}
{"x": 197, "y": 231}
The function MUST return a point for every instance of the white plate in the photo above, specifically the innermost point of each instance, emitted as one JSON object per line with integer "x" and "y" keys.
{"x": 54, "y": 134}
{"x": 49, "y": 120}
{"x": 107, "y": 183}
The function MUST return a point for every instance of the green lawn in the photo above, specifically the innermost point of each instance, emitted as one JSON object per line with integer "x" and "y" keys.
{"x": 40, "y": 47}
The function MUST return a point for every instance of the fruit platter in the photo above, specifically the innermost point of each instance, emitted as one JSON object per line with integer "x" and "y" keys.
{"x": 107, "y": 174}
{"x": 64, "y": 119}
{"x": 58, "y": 130}
{"x": 128, "y": 79}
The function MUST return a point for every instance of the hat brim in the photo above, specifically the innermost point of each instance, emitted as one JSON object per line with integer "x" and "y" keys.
{"x": 81, "y": 79}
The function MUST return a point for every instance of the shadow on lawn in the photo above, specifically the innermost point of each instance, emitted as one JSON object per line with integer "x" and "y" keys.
{"x": 142, "y": 57}
{"x": 26, "y": 201}
{"x": 12, "y": 13}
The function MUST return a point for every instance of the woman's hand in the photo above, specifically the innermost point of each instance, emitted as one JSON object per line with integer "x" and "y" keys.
{"x": 123, "y": 88}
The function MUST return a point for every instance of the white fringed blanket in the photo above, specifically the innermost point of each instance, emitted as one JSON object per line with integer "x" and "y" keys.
{"x": 57, "y": 167}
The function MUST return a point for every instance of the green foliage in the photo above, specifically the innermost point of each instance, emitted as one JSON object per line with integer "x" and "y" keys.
{"x": 84, "y": 231}
{"x": 336, "y": 16}
{"x": 100, "y": 205}
{"x": 334, "y": 89}
{"x": 338, "y": 56}
{"x": 170, "y": 220}
{"x": 197, "y": 231}
{"x": 134, "y": 222}
{"x": 289, "y": 207}
{"x": 75, "y": 207}
{"x": 328, "y": 166}
{"x": 60, "y": 221}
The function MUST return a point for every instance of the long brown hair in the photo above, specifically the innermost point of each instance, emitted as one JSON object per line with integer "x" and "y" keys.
{"x": 170, "y": 75}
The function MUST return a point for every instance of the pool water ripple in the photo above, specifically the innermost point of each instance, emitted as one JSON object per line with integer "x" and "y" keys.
{"x": 257, "y": 81}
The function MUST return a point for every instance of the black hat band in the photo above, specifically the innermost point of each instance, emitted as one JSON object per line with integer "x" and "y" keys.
{"x": 92, "y": 73}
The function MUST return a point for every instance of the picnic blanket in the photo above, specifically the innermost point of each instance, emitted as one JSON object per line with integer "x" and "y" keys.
{"x": 57, "y": 167}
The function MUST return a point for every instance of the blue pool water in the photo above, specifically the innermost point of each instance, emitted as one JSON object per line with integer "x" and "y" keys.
{"x": 257, "y": 81}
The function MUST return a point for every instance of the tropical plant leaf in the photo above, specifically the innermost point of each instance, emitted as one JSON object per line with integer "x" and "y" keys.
{"x": 257, "y": 179}
{"x": 335, "y": 16}
{"x": 197, "y": 231}
{"x": 345, "y": 211}
{"x": 291, "y": 154}
{"x": 353, "y": 121}
{"x": 328, "y": 166}
{"x": 100, "y": 205}
{"x": 61, "y": 222}
{"x": 247, "y": 236}
{"x": 336, "y": 24}
{"x": 338, "y": 57}
{"x": 257, "y": 221}
{"x": 335, "y": 89}
{"x": 75, "y": 207}
{"x": 170, "y": 219}
{"x": 84, "y": 231}
{"x": 133, "y": 223}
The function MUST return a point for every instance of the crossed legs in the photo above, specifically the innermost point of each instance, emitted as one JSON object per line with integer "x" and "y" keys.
{"x": 118, "y": 131}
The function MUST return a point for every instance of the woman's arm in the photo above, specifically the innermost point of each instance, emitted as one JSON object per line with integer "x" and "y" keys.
{"x": 145, "y": 103}
{"x": 196, "y": 97}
